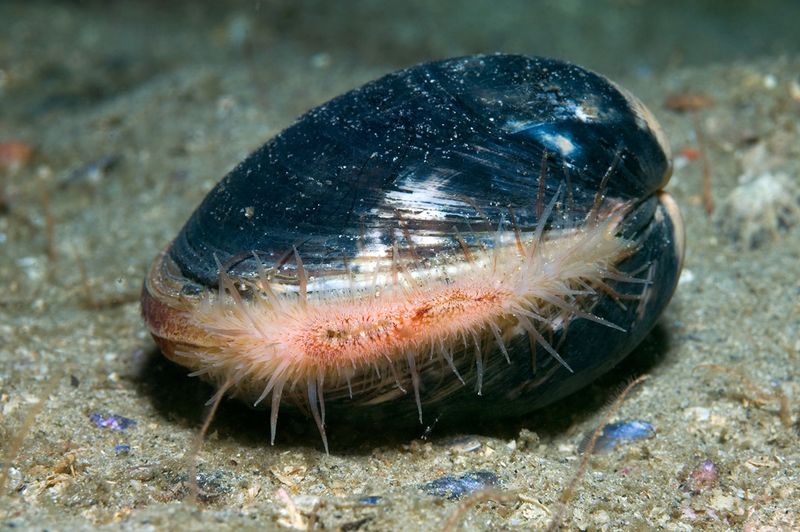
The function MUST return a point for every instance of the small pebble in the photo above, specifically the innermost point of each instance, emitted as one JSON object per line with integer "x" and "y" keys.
{"x": 687, "y": 277}
{"x": 112, "y": 421}
{"x": 239, "y": 31}
{"x": 463, "y": 444}
{"x": 371, "y": 500}
{"x": 466, "y": 484}
{"x": 703, "y": 477}
{"x": 794, "y": 90}
{"x": 615, "y": 434}
{"x": 122, "y": 449}
{"x": 214, "y": 483}
{"x": 14, "y": 154}
{"x": 760, "y": 210}
{"x": 527, "y": 439}
{"x": 94, "y": 171}
{"x": 321, "y": 60}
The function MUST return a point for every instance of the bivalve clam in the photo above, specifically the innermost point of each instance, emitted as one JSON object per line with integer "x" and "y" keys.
{"x": 479, "y": 235}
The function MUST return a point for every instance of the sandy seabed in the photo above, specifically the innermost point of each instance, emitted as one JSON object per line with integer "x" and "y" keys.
{"x": 134, "y": 113}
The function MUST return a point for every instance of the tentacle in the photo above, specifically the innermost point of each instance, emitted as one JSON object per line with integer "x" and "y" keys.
{"x": 311, "y": 392}
{"x": 412, "y": 367}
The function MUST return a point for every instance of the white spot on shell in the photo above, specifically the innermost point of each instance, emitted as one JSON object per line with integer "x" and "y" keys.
{"x": 585, "y": 114}
{"x": 559, "y": 143}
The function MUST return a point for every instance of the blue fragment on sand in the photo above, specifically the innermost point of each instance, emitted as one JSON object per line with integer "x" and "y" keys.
{"x": 122, "y": 448}
{"x": 466, "y": 484}
{"x": 620, "y": 432}
{"x": 112, "y": 421}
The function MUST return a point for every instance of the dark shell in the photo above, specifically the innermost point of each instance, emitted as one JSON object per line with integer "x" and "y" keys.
{"x": 474, "y": 128}
{"x": 448, "y": 148}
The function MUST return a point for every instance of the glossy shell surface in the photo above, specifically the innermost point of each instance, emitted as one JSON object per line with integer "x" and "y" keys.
{"x": 400, "y": 186}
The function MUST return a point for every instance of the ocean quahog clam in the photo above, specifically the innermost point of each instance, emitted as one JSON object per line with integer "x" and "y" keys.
{"x": 479, "y": 235}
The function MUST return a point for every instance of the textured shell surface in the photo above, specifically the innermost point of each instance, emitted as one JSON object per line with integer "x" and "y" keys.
{"x": 429, "y": 192}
